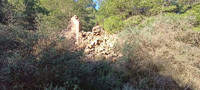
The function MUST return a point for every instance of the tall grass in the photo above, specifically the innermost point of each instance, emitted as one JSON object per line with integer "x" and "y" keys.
{"x": 163, "y": 52}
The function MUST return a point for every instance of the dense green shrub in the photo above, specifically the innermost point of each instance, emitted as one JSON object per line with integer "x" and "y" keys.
{"x": 133, "y": 21}
{"x": 113, "y": 24}
{"x": 126, "y": 9}
{"x": 61, "y": 12}
{"x": 46, "y": 15}
{"x": 88, "y": 21}
{"x": 194, "y": 12}
{"x": 22, "y": 12}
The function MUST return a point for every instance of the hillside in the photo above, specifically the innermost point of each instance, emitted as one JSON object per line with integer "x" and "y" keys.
{"x": 153, "y": 46}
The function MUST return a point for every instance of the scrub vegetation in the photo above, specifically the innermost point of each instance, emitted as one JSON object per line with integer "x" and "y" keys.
{"x": 159, "y": 40}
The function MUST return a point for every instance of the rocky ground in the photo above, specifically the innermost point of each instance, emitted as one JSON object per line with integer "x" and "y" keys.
{"x": 97, "y": 45}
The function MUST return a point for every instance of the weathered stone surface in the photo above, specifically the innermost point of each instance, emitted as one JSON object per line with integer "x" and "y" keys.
{"x": 99, "y": 57}
{"x": 90, "y": 56}
{"x": 89, "y": 46}
{"x": 87, "y": 51}
{"x": 97, "y": 45}
{"x": 109, "y": 57}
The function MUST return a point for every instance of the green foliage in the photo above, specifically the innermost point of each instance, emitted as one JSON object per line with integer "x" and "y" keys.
{"x": 17, "y": 5}
{"x": 184, "y": 5}
{"x": 197, "y": 28}
{"x": 194, "y": 12}
{"x": 40, "y": 59}
{"x": 46, "y": 15}
{"x": 132, "y": 21}
{"x": 22, "y": 12}
{"x": 171, "y": 8}
{"x": 61, "y": 12}
{"x": 138, "y": 8}
{"x": 88, "y": 21}
{"x": 113, "y": 24}
{"x": 124, "y": 9}
{"x": 58, "y": 11}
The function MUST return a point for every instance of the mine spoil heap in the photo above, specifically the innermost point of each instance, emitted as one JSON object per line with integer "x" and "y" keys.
{"x": 98, "y": 45}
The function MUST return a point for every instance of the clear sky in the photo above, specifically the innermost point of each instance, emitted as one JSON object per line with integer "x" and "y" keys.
{"x": 97, "y": 5}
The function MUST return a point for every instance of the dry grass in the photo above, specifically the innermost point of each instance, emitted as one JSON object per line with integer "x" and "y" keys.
{"x": 162, "y": 53}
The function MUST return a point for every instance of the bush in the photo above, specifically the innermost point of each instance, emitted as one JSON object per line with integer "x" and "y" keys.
{"x": 197, "y": 28}
{"x": 42, "y": 61}
{"x": 60, "y": 14}
{"x": 110, "y": 9}
{"x": 161, "y": 53}
{"x": 113, "y": 24}
{"x": 133, "y": 21}
{"x": 194, "y": 12}
{"x": 65, "y": 71}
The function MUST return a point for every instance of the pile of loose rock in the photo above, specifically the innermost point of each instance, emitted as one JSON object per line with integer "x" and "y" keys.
{"x": 98, "y": 45}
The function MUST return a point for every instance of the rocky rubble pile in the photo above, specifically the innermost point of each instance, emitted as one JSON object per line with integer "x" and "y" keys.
{"x": 98, "y": 45}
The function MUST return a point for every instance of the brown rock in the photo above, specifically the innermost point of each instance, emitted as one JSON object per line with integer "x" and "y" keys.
{"x": 82, "y": 45}
{"x": 99, "y": 41}
{"x": 111, "y": 45}
{"x": 101, "y": 48}
{"x": 114, "y": 55}
{"x": 106, "y": 38}
{"x": 87, "y": 51}
{"x": 84, "y": 34}
{"x": 104, "y": 42}
{"x": 109, "y": 57}
{"x": 107, "y": 49}
{"x": 89, "y": 46}
{"x": 99, "y": 57}
{"x": 107, "y": 53}
{"x": 93, "y": 43}
{"x": 90, "y": 56}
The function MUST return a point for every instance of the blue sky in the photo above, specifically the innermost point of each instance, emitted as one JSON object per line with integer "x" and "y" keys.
{"x": 97, "y": 5}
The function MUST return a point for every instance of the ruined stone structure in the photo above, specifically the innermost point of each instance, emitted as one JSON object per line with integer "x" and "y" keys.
{"x": 72, "y": 30}
{"x": 97, "y": 44}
